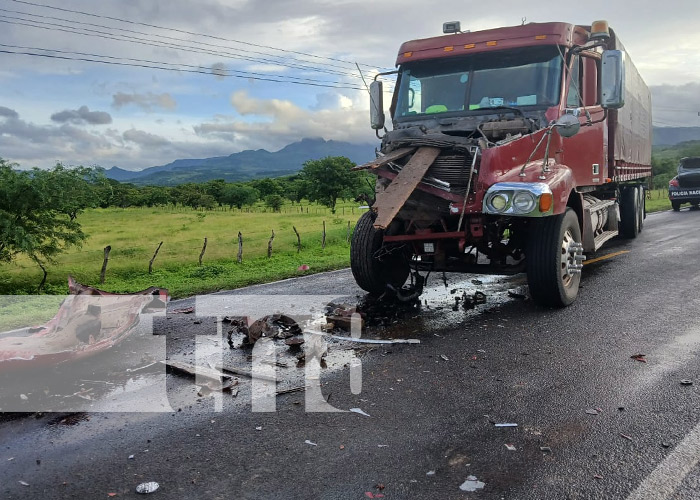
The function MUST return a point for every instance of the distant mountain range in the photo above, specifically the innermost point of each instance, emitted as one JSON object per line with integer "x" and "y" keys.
{"x": 668, "y": 136}
{"x": 251, "y": 164}
{"x": 245, "y": 165}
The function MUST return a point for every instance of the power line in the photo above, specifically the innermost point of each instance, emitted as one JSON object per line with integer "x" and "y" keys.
{"x": 87, "y": 59}
{"x": 306, "y": 54}
{"x": 155, "y": 43}
{"x": 279, "y": 60}
{"x": 223, "y": 72}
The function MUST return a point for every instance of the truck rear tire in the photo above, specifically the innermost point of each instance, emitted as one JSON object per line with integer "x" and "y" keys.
{"x": 370, "y": 273}
{"x": 550, "y": 256}
{"x": 630, "y": 213}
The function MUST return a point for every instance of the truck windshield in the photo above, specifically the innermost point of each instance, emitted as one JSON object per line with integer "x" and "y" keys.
{"x": 528, "y": 77}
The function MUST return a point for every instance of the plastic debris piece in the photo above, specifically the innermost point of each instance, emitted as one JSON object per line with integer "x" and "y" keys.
{"x": 472, "y": 484}
{"x": 444, "y": 357}
{"x": 639, "y": 357}
{"x": 510, "y": 447}
{"x": 23, "y": 397}
{"x": 111, "y": 494}
{"x": 506, "y": 425}
{"x": 184, "y": 310}
{"x": 382, "y": 446}
{"x": 686, "y": 382}
{"x": 303, "y": 267}
{"x": 149, "y": 487}
{"x": 131, "y": 457}
{"x": 666, "y": 445}
{"x": 357, "y": 410}
{"x": 23, "y": 483}
{"x": 626, "y": 437}
{"x": 430, "y": 473}
{"x": 598, "y": 476}
{"x": 545, "y": 449}
{"x": 310, "y": 443}
{"x": 258, "y": 428}
{"x": 592, "y": 412}
{"x": 366, "y": 341}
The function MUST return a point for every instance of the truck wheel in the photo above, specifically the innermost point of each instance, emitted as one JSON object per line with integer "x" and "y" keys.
{"x": 629, "y": 212}
{"x": 370, "y": 273}
{"x": 642, "y": 207}
{"x": 554, "y": 256}
{"x": 676, "y": 205}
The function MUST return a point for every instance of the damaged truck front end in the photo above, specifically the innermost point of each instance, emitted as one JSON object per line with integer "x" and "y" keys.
{"x": 476, "y": 167}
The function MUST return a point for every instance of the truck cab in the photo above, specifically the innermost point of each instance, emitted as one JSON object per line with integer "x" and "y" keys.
{"x": 511, "y": 150}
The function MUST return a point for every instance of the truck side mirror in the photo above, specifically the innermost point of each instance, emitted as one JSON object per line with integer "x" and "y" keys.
{"x": 376, "y": 105}
{"x": 612, "y": 79}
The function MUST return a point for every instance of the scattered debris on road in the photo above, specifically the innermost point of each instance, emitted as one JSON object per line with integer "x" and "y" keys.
{"x": 357, "y": 410}
{"x": 505, "y": 425}
{"x": 310, "y": 443}
{"x": 510, "y": 447}
{"x": 444, "y": 357}
{"x": 592, "y": 411}
{"x": 23, "y": 483}
{"x": 639, "y": 357}
{"x": 149, "y": 487}
{"x": 430, "y": 473}
{"x": 183, "y": 310}
{"x": 686, "y": 382}
{"x": 626, "y": 437}
{"x": 545, "y": 449}
{"x": 472, "y": 484}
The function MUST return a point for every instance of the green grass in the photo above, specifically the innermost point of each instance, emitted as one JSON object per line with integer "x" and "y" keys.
{"x": 657, "y": 200}
{"x": 134, "y": 234}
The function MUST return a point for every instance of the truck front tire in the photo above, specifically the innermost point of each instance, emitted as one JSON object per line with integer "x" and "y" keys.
{"x": 370, "y": 273}
{"x": 630, "y": 212}
{"x": 551, "y": 259}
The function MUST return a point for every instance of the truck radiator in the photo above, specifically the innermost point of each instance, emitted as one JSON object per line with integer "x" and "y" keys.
{"x": 452, "y": 169}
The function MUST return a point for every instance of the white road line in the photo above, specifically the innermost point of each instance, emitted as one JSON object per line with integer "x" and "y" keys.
{"x": 664, "y": 480}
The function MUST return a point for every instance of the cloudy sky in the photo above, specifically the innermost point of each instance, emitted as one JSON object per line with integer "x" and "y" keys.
{"x": 137, "y": 83}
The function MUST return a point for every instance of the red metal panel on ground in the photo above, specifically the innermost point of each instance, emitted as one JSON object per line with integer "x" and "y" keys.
{"x": 392, "y": 199}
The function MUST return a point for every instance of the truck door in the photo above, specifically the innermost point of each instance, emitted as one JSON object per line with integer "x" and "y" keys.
{"x": 586, "y": 152}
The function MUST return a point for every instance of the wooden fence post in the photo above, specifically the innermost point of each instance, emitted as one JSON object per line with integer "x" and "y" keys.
{"x": 150, "y": 264}
{"x": 204, "y": 248}
{"x": 269, "y": 244}
{"x": 239, "y": 258}
{"x": 108, "y": 249}
{"x": 323, "y": 241}
{"x": 347, "y": 235}
{"x": 298, "y": 239}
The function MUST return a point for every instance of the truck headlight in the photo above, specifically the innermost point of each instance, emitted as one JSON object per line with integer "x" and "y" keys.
{"x": 520, "y": 199}
{"x": 498, "y": 202}
{"x": 524, "y": 202}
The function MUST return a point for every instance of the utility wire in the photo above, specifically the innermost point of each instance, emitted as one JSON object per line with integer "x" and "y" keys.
{"x": 216, "y": 72}
{"x": 306, "y": 54}
{"x": 134, "y": 65}
{"x": 155, "y": 43}
{"x": 280, "y": 59}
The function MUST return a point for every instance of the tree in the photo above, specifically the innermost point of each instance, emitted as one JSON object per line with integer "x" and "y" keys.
{"x": 238, "y": 195}
{"x": 274, "y": 201}
{"x": 328, "y": 179}
{"x": 266, "y": 187}
{"x": 37, "y": 217}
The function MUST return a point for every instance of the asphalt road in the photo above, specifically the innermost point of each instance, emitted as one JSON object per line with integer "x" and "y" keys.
{"x": 591, "y": 421}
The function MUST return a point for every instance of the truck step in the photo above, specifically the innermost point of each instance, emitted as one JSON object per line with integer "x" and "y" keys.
{"x": 603, "y": 237}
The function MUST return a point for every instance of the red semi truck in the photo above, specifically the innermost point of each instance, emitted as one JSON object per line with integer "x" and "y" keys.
{"x": 516, "y": 149}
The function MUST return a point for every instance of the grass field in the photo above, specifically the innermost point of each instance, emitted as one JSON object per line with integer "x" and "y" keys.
{"x": 134, "y": 234}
